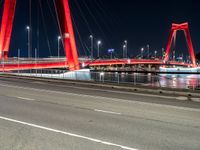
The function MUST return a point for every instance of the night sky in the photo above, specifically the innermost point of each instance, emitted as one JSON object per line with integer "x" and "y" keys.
{"x": 141, "y": 22}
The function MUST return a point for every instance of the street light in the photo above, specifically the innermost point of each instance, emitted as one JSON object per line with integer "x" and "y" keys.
{"x": 98, "y": 46}
{"x": 59, "y": 38}
{"x": 126, "y": 48}
{"x": 142, "y": 50}
{"x": 155, "y": 54}
{"x": 163, "y": 52}
{"x": 92, "y": 46}
{"x": 29, "y": 46}
{"x": 18, "y": 59}
{"x": 36, "y": 60}
{"x": 148, "y": 47}
{"x": 174, "y": 55}
{"x": 111, "y": 51}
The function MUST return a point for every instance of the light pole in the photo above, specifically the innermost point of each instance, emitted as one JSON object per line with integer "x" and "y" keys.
{"x": 92, "y": 46}
{"x": 142, "y": 50}
{"x": 163, "y": 52}
{"x": 98, "y": 47}
{"x": 29, "y": 46}
{"x": 126, "y": 48}
{"x": 174, "y": 55}
{"x": 111, "y": 51}
{"x": 18, "y": 59}
{"x": 59, "y": 38}
{"x": 36, "y": 60}
{"x": 111, "y": 55}
{"x": 148, "y": 47}
{"x": 155, "y": 54}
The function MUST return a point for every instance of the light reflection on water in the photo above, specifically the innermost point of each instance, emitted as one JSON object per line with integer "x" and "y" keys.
{"x": 180, "y": 81}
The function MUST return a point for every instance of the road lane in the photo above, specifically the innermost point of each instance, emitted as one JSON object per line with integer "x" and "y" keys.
{"x": 141, "y": 109}
{"x": 140, "y": 125}
{"x": 98, "y": 91}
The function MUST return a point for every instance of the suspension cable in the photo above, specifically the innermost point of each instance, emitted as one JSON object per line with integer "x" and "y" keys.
{"x": 52, "y": 13}
{"x": 83, "y": 16}
{"x": 76, "y": 29}
{"x": 58, "y": 22}
{"x": 44, "y": 26}
{"x": 95, "y": 20}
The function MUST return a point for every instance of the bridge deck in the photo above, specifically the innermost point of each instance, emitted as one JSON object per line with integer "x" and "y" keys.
{"x": 26, "y": 64}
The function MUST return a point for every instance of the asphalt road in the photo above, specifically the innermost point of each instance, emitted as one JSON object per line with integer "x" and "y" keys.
{"x": 37, "y": 115}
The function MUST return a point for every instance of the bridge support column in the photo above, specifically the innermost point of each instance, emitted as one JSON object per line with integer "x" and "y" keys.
{"x": 6, "y": 27}
{"x": 66, "y": 27}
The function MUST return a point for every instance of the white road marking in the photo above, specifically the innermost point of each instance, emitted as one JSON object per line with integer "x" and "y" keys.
{"x": 27, "y": 99}
{"x": 105, "y": 98}
{"x": 38, "y": 82}
{"x": 67, "y": 133}
{"x": 182, "y": 98}
{"x": 108, "y": 112}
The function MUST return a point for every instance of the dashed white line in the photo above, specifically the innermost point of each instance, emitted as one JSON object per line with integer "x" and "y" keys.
{"x": 67, "y": 133}
{"x": 25, "y": 98}
{"x": 182, "y": 98}
{"x": 108, "y": 112}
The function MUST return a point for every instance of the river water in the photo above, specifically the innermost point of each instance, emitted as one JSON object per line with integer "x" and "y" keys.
{"x": 184, "y": 81}
{"x": 181, "y": 81}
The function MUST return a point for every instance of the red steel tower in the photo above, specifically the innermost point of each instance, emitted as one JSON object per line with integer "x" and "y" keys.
{"x": 185, "y": 28}
{"x": 6, "y": 27}
{"x": 65, "y": 23}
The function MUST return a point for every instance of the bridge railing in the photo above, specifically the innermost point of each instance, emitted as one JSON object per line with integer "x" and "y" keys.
{"x": 133, "y": 79}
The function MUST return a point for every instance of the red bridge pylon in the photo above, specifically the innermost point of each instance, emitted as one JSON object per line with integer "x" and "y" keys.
{"x": 65, "y": 23}
{"x": 6, "y": 27}
{"x": 185, "y": 28}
